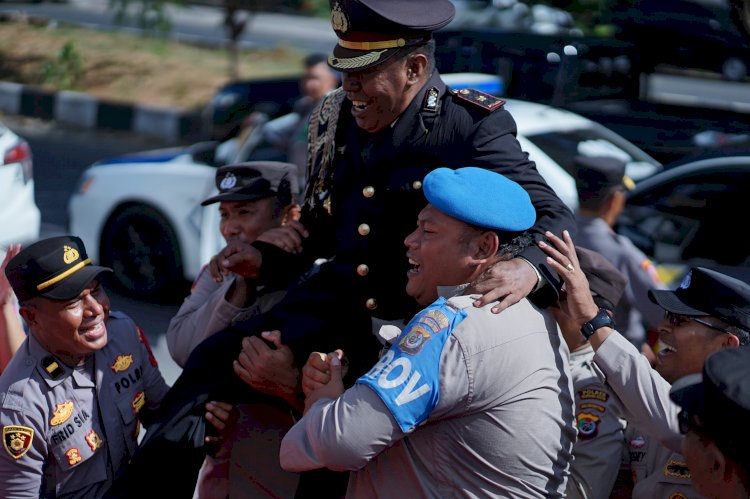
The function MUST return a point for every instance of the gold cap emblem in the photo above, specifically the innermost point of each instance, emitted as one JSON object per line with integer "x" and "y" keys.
{"x": 339, "y": 20}
{"x": 70, "y": 255}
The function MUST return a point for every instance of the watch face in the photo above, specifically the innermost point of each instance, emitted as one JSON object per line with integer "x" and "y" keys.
{"x": 601, "y": 319}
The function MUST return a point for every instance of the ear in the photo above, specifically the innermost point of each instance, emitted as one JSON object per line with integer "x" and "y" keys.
{"x": 28, "y": 314}
{"x": 416, "y": 67}
{"x": 730, "y": 341}
{"x": 484, "y": 246}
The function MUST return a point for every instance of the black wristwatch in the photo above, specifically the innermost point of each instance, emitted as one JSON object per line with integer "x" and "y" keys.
{"x": 601, "y": 319}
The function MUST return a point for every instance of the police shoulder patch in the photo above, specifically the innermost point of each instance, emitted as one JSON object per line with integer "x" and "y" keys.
{"x": 481, "y": 99}
{"x": 17, "y": 440}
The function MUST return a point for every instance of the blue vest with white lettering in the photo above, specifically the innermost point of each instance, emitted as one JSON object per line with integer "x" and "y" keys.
{"x": 406, "y": 377}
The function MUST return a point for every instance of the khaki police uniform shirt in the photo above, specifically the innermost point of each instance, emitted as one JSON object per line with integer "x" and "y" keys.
{"x": 600, "y": 445}
{"x": 634, "y": 309}
{"x": 658, "y": 472}
{"x": 67, "y": 431}
{"x": 235, "y": 469}
{"x": 502, "y": 427}
{"x": 206, "y": 311}
{"x": 654, "y": 441}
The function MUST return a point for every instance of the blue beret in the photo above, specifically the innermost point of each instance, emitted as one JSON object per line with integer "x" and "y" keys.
{"x": 480, "y": 197}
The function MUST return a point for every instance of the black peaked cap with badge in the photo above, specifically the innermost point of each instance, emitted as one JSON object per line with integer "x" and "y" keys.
{"x": 708, "y": 292}
{"x": 595, "y": 174}
{"x": 255, "y": 180}
{"x": 57, "y": 268}
{"x": 372, "y": 31}
{"x": 720, "y": 396}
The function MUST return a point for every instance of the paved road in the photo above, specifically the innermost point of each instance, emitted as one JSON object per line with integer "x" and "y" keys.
{"x": 196, "y": 24}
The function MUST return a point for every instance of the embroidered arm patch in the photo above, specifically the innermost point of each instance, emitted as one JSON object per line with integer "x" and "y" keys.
{"x": 406, "y": 377}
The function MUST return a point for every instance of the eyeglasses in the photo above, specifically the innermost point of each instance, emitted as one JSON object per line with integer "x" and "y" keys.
{"x": 676, "y": 320}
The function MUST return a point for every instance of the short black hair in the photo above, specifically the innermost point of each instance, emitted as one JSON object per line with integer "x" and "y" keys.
{"x": 314, "y": 59}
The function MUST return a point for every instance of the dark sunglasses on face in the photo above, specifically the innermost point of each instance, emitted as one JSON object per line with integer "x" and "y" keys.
{"x": 676, "y": 320}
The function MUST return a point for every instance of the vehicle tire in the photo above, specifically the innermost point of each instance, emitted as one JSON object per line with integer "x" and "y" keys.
{"x": 141, "y": 247}
{"x": 734, "y": 69}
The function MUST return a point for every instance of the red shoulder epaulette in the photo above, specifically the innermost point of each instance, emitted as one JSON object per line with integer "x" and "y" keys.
{"x": 481, "y": 99}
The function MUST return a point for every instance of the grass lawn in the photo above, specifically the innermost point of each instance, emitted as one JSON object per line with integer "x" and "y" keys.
{"x": 127, "y": 68}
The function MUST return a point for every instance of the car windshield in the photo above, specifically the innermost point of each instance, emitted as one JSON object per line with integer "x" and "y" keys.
{"x": 564, "y": 146}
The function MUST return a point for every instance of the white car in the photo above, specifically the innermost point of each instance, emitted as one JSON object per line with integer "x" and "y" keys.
{"x": 140, "y": 214}
{"x": 19, "y": 215}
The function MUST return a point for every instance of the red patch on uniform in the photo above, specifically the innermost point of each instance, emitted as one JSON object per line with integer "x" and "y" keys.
{"x": 74, "y": 457}
{"x": 94, "y": 440}
{"x": 144, "y": 340}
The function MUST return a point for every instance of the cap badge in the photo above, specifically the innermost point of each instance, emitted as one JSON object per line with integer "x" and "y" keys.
{"x": 338, "y": 18}
{"x": 70, "y": 254}
{"x": 17, "y": 440}
{"x": 686, "y": 280}
{"x": 62, "y": 413}
{"x": 228, "y": 182}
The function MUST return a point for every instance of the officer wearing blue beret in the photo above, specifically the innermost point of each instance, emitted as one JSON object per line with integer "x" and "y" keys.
{"x": 491, "y": 391}
{"x": 371, "y": 143}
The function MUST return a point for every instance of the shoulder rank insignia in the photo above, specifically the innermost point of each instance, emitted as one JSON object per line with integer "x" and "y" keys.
{"x": 62, "y": 413}
{"x": 122, "y": 362}
{"x": 431, "y": 100}
{"x": 17, "y": 440}
{"x": 52, "y": 367}
{"x": 481, "y": 99}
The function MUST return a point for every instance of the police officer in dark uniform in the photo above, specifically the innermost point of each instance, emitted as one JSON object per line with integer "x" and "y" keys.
{"x": 370, "y": 145}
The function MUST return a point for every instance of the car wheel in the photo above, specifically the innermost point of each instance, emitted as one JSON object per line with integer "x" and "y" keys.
{"x": 142, "y": 249}
{"x": 734, "y": 69}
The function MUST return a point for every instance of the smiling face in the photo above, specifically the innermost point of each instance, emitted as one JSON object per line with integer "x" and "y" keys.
{"x": 440, "y": 253}
{"x": 246, "y": 220}
{"x": 70, "y": 329}
{"x": 686, "y": 344}
{"x": 380, "y": 94}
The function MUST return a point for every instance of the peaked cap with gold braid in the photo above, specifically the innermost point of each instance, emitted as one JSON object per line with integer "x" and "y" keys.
{"x": 372, "y": 31}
